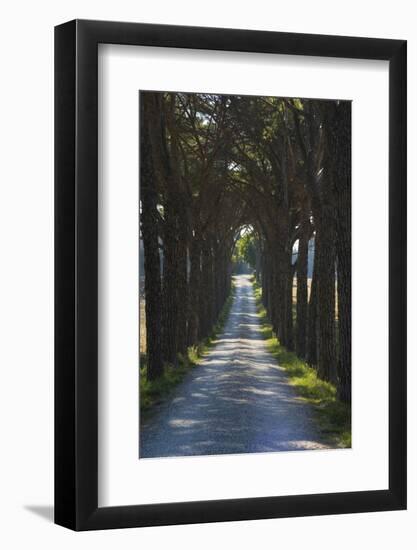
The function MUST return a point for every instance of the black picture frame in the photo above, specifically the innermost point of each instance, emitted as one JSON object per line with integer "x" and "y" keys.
{"x": 76, "y": 272}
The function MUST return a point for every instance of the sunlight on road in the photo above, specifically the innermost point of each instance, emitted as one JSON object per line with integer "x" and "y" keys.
{"x": 238, "y": 400}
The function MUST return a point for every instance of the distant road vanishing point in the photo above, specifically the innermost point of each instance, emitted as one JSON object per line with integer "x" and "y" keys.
{"x": 238, "y": 400}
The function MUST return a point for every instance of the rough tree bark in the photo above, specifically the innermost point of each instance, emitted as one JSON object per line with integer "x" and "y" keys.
{"x": 182, "y": 277}
{"x": 326, "y": 341}
{"x": 288, "y": 321}
{"x": 206, "y": 290}
{"x": 164, "y": 169}
{"x": 169, "y": 287}
{"x": 326, "y": 258}
{"x": 193, "y": 328}
{"x": 343, "y": 245}
{"x": 149, "y": 229}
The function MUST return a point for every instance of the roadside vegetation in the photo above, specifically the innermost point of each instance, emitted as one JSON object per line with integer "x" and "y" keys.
{"x": 332, "y": 415}
{"x": 155, "y": 391}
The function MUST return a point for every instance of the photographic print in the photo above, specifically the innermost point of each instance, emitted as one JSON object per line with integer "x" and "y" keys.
{"x": 245, "y": 274}
{"x": 203, "y": 283}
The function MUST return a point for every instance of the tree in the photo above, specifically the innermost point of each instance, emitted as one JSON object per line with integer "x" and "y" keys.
{"x": 279, "y": 168}
{"x": 149, "y": 229}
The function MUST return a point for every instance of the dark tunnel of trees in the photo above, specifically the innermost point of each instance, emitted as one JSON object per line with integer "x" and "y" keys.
{"x": 211, "y": 165}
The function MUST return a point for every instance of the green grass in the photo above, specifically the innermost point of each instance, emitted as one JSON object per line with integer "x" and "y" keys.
{"x": 155, "y": 391}
{"x": 333, "y": 416}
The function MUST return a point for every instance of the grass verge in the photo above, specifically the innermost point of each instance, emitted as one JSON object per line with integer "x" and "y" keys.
{"x": 333, "y": 416}
{"x": 155, "y": 391}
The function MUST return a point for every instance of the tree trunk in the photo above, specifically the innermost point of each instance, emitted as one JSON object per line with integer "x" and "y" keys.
{"x": 279, "y": 307}
{"x": 289, "y": 325}
{"x": 266, "y": 278}
{"x": 182, "y": 287}
{"x": 194, "y": 292}
{"x": 326, "y": 341}
{"x": 149, "y": 229}
{"x": 207, "y": 294}
{"x": 170, "y": 283}
{"x": 343, "y": 246}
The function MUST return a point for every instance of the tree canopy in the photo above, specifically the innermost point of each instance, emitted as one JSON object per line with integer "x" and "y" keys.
{"x": 279, "y": 167}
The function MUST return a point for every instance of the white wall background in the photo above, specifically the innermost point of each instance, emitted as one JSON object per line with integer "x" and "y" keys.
{"x": 26, "y": 272}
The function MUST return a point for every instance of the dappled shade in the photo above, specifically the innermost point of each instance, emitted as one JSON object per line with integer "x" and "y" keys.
{"x": 239, "y": 183}
{"x": 237, "y": 401}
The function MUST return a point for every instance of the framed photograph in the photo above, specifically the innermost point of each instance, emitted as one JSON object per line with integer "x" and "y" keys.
{"x": 230, "y": 284}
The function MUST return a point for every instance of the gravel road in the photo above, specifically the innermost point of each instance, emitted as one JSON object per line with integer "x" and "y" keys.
{"x": 238, "y": 400}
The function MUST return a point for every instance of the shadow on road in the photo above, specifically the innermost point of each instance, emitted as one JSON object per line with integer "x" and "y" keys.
{"x": 237, "y": 401}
